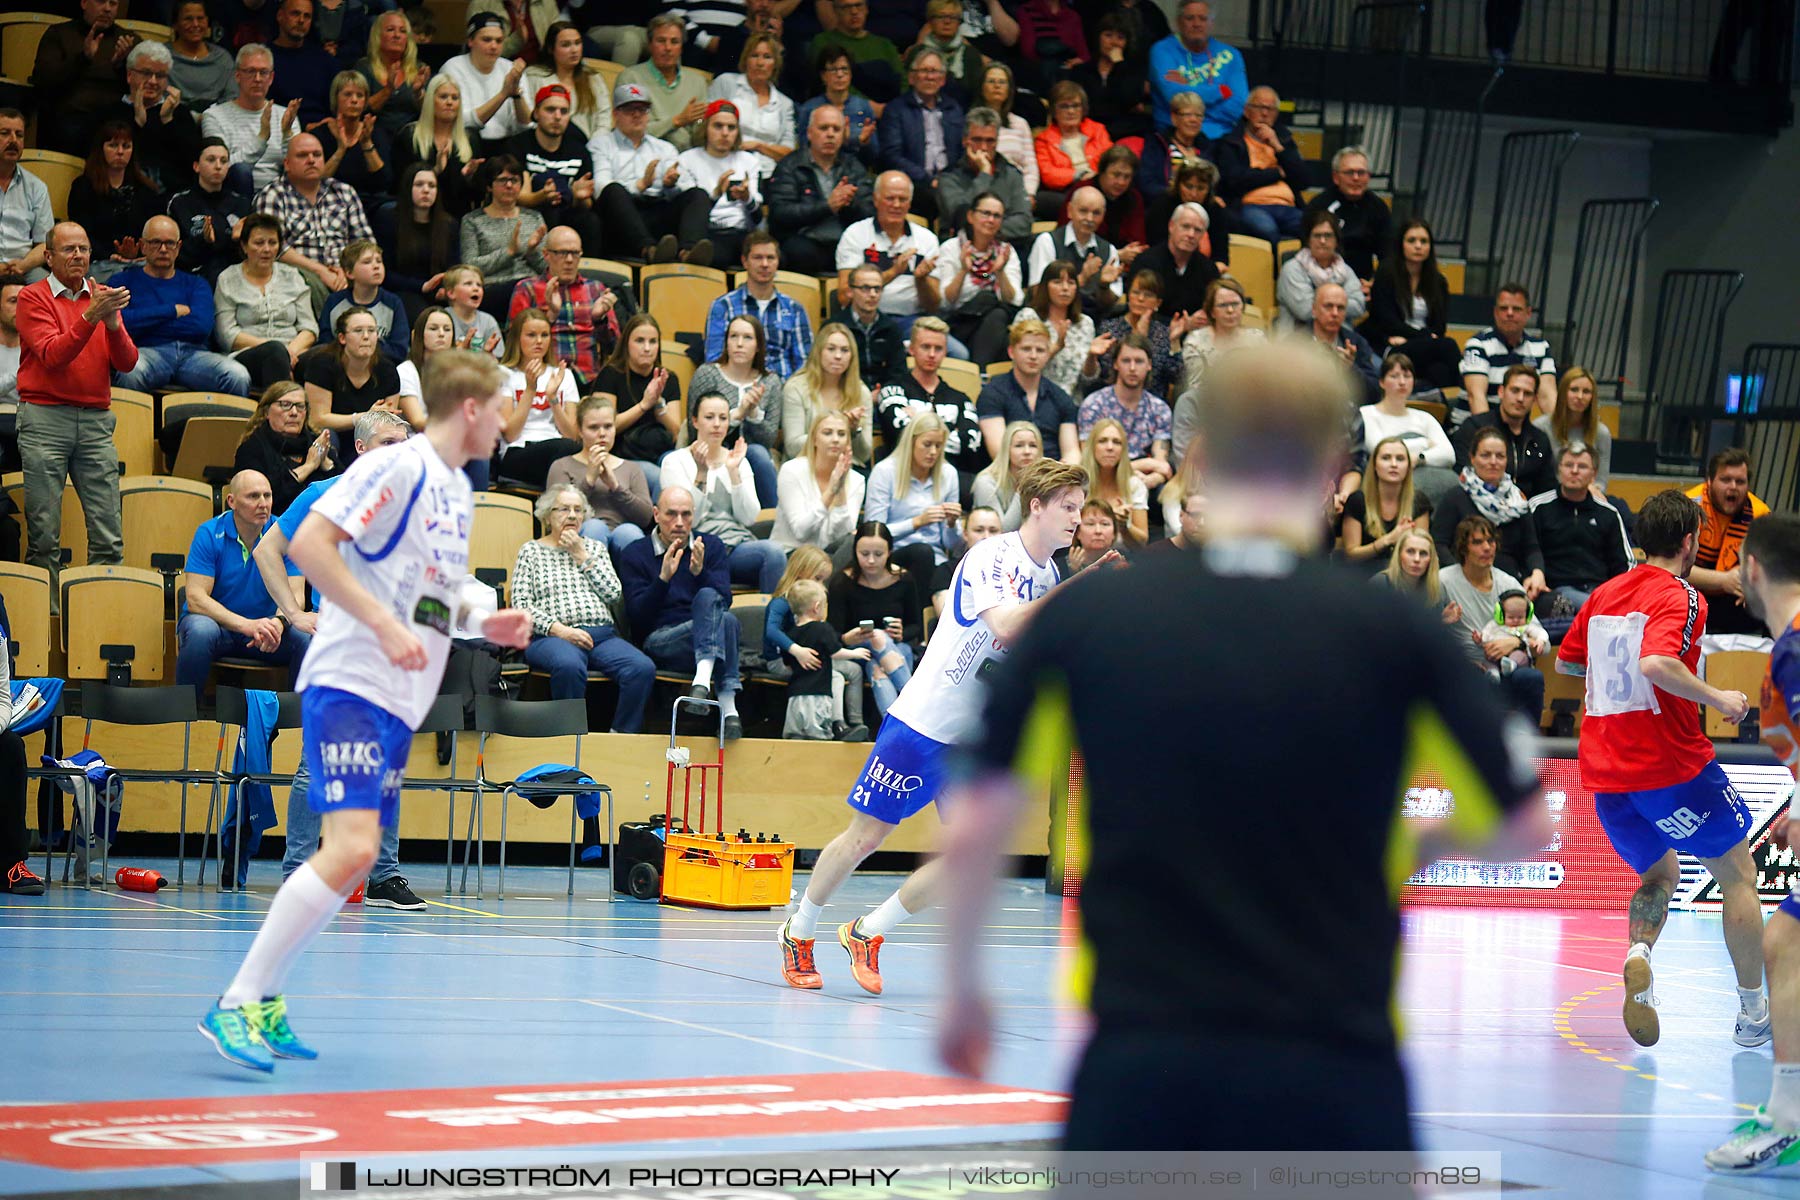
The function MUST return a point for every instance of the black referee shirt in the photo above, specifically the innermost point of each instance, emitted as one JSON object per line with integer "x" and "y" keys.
{"x": 1249, "y": 724}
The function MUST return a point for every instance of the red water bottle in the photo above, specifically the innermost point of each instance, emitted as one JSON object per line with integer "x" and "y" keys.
{"x": 139, "y": 879}
{"x": 356, "y": 897}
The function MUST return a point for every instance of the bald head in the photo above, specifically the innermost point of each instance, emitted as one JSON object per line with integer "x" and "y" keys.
{"x": 252, "y": 499}
{"x": 1087, "y": 208}
{"x": 162, "y": 242}
{"x": 893, "y": 196}
{"x": 562, "y": 247}
{"x": 674, "y": 515}
{"x": 825, "y": 132}
{"x": 1330, "y": 305}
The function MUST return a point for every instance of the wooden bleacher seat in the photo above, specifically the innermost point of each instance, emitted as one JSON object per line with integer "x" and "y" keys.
{"x": 995, "y": 370}
{"x": 1559, "y": 687}
{"x": 1609, "y": 416}
{"x": 1461, "y": 334}
{"x": 1253, "y": 265}
{"x": 134, "y": 430}
{"x": 449, "y": 18}
{"x": 1733, "y": 671}
{"x": 1438, "y": 411}
{"x": 113, "y": 606}
{"x": 676, "y": 362}
{"x": 1635, "y": 489}
{"x": 147, "y": 31}
{"x": 160, "y": 514}
{"x": 962, "y": 375}
{"x": 74, "y": 523}
{"x": 607, "y": 69}
{"x": 680, "y": 301}
{"x": 500, "y": 526}
{"x": 804, "y": 291}
{"x": 58, "y": 171}
{"x": 20, "y": 33}
{"x": 1455, "y": 272}
{"x": 26, "y": 590}
{"x": 209, "y": 443}
{"x": 1255, "y": 317}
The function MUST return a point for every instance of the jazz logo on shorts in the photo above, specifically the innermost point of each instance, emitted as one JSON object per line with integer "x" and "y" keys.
{"x": 351, "y": 758}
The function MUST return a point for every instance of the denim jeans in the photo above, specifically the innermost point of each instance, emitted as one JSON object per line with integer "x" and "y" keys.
{"x": 1271, "y": 222}
{"x": 711, "y": 633}
{"x": 624, "y": 663}
{"x": 758, "y": 564}
{"x": 887, "y": 690}
{"x": 202, "y": 641}
{"x": 614, "y": 538}
{"x": 762, "y": 470}
{"x": 302, "y": 830}
{"x": 182, "y": 365}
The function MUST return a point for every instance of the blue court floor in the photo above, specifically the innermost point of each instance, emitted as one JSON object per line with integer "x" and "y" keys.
{"x": 1512, "y": 1029}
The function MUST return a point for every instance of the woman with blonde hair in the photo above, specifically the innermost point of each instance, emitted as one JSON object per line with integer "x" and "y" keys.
{"x": 997, "y": 485}
{"x": 830, "y": 381}
{"x": 1108, "y": 466}
{"x": 396, "y": 76}
{"x": 1413, "y": 568}
{"x": 440, "y": 138}
{"x": 1387, "y": 506}
{"x": 765, "y": 115}
{"x": 1576, "y": 418}
{"x": 920, "y": 509}
{"x": 819, "y": 496}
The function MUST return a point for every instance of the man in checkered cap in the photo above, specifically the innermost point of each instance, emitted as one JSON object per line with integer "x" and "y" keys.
{"x": 642, "y": 210}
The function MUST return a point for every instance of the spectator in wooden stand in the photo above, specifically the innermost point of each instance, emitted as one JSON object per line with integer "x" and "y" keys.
{"x": 905, "y": 253}
{"x": 71, "y": 339}
{"x": 199, "y": 69}
{"x": 978, "y": 275}
{"x": 1409, "y": 303}
{"x": 1142, "y": 304}
{"x": 1328, "y": 328}
{"x": 207, "y": 214}
{"x": 765, "y": 115}
{"x": 921, "y": 389}
{"x": 262, "y": 308}
{"x": 644, "y": 210}
{"x": 559, "y": 174}
{"x": 319, "y": 216}
{"x": 171, "y": 321}
{"x": 1115, "y": 82}
{"x": 25, "y": 216}
{"x": 1504, "y": 344}
{"x": 564, "y": 66}
{"x": 943, "y": 32}
{"x": 831, "y": 381}
{"x": 166, "y": 132}
{"x": 648, "y": 397}
{"x": 833, "y": 67}
{"x": 1576, "y": 420}
{"x": 1192, "y": 60}
{"x": 880, "y": 342}
{"x": 1079, "y": 242}
{"x": 1145, "y": 418}
{"x": 1432, "y": 456}
{"x": 1364, "y": 233}
{"x": 541, "y": 397}
{"x": 350, "y": 378}
{"x": 876, "y": 71}
{"x": 504, "y": 240}
{"x": 1125, "y": 224}
{"x": 357, "y": 152}
{"x": 1318, "y": 263}
{"x": 787, "y": 330}
{"x": 1069, "y": 148}
{"x": 1489, "y": 492}
{"x": 112, "y": 198}
{"x": 1727, "y": 507}
{"x": 254, "y": 127}
{"x": 816, "y": 194}
{"x": 1261, "y": 173}
{"x": 492, "y": 107}
{"x": 583, "y": 314}
{"x": 303, "y": 68}
{"x": 1182, "y": 144}
{"x": 677, "y": 94}
{"x": 820, "y": 494}
{"x": 1582, "y": 536}
{"x": 1024, "y": 394}
{"x": 618, "y": 495}
{"x": 440, "y": 139}
{"x": 996, "y": 488}
{"x": 80, "y": 68}
{"x": 1186, "y": 273}
{"x": 394, "y": 73}
{"x": 1056, "y": 302}
{"x": 1017, "y": 144}
{"x": 982, "y": 169}
{"x": 727, "y": 172}
{"x": 1528, "y": 456}
{"x": 921, "y": 129}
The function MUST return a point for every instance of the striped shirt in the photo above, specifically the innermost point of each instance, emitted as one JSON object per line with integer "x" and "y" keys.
{"x": 1722, "y": 537}
{"x": 1487, "y": 353}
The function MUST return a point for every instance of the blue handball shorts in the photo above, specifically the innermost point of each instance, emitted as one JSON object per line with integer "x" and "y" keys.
{"x": 1703, "y": 817}
{"x": 904, "y": 774}
{"x": 355, "y": 751}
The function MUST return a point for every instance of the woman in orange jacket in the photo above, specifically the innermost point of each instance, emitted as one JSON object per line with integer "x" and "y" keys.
{"x": 1069, "y": 148}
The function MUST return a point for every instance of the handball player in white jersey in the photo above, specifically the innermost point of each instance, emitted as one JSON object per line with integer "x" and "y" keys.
{"x": 388, "y": 550}
{"x": 997, "y": 588}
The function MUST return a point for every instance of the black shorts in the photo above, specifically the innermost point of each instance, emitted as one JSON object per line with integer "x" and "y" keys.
{"x": 1143, "y": 1090}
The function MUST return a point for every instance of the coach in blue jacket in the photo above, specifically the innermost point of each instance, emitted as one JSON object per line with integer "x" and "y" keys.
{"x": 677, "y": 585}
{"x": 170, "y": 317}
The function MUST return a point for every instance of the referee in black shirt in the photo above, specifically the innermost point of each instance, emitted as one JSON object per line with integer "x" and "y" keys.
{"x": 1248, "y": 734}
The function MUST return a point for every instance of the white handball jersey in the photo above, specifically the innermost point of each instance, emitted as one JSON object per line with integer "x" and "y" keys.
{"x": 408, "y": 516}
{"x": 946, "y": 695}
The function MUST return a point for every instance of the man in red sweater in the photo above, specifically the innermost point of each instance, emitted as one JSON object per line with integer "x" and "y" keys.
{"x": 71, "y": 341}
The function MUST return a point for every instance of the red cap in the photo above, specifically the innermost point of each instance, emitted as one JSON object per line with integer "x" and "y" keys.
{"x": 551, "y": 89}
{"x": 719, "y": 105}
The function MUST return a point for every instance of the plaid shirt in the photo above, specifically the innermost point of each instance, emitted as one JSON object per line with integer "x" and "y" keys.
{"x": 574, "y": 335}
{"x": 785, "y": 325}
{"x": 555, "y": 590}
{"x": 319, "y": 231}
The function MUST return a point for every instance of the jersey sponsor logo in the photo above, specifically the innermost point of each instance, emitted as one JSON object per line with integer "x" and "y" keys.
{"x": 972, "y": 648}
{"x": 1682, "y": 823}
{"x": 351, "y": 758}
{"x": 374, "y": 510}
{"x": 888, "y": 779}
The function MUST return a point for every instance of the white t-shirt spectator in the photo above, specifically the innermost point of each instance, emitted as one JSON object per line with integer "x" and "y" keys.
{"x": 540, "y": 426}
{"x": 702, "y": 170}
{"x": 864, "y": 242}
{"x": 478, "y": 89}
{"x": 801, "y": 518}
{"x": 757, "y": 122}
{"x": 1420, "y": 429}
{"x": 950, "y": 262}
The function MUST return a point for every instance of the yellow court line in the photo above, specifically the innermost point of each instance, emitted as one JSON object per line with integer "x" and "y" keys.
{"x": 1561, "y": 1026}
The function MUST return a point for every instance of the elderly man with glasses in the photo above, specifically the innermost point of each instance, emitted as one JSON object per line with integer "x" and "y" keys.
{"x": 253, "y": 128}
{"x": 583, "y": 323}
{"x": 171, "y": 320}
{"x": 921, "y": 132}
{"x": 1366, "y": 224}
{"x": 166, "y": 134}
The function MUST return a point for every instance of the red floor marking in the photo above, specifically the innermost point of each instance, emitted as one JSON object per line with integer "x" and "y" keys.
{"x": 174, "y": 1132}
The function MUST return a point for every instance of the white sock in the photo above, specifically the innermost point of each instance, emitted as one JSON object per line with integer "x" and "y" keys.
{"x": 1784, "y": 1095}
{"x": 804, "y": 923}
{"x": 728, "y": 704}
{"x": 302, "y": 908}
{"x": 703, "y": 672}
{"x": 1752, "y": 1001}
{"x": 883, "y": 919}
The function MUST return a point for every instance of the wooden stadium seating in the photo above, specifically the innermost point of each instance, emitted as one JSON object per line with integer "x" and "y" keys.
{"x": 804, "y": 291}
{"x": 134, "y": 430}
{"x": 449, "y": 17}
{"x": 147, "y": 31}
{"x": 113, "y": 606}
{"x": 1438, "y": 411}
{"x": 1253, "y": 265}
{"x": 1559, "y": 687}
{"x": 1038, "y": 227}
{"x": 608, "y": 70}
{"x": 1310, "y": 142}
{"x": 1609, "y": 416}
{"x": 58, "y": 171}
{"x": 160, "y": 514}
{"x": 1460, "y": 333}
{"x": 74, "y": 524}
{"x": 1635, "y": 489}
{"x": 1255, "y": 317}
{"x": 680, "y": 302}
{"x": 209, "y": 442}
{"x": 962, "y": 375}
{"x": 501, "y": 525}
{"x": 1455, "y": 272}
{"x": 916, "y": 219}
{"x": 1733, "y": 671}
{"x": 20, "y": 33}
{"x": 676, "y": 362}
{"x": 26, "y": 590}
{"x": 995, "y": 370}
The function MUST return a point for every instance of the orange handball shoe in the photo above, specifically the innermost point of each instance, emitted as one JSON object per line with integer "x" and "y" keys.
{"x": 797, "y": 960}
{"x": 865, "y": 956}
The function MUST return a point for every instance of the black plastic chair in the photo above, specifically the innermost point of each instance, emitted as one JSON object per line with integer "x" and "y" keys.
{"x": 532, "y": 719}
{"x": 446, "y": 716}
{"x": 144, "y": 706}
{"x": 231, "y": 706}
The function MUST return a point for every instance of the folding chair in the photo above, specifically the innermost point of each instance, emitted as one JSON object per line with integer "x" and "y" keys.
{"x": 232, "y": 707}
{"x": 500, "y": 526}
{"x": 532, "y": 719}
{"x": 446, "y": 716}
{"x": 134, "y": 431}
{"x": 142, "y": 707}
{"x": 26, "y": 590}
{"x": 159, "y": 514}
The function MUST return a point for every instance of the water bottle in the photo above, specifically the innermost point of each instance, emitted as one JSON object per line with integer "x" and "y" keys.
{"x": 356, "y": 897}
{"x": 139, "y": 879}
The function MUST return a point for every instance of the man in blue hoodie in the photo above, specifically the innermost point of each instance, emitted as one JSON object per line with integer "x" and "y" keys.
{"x": 171, "y": 319}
